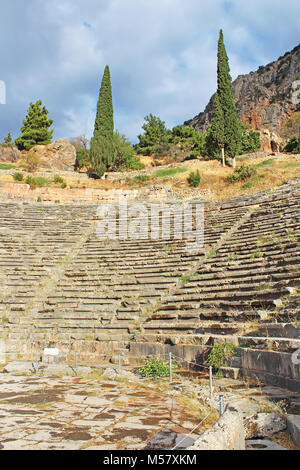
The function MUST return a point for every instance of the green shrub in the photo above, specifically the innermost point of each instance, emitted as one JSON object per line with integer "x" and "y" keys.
{"x": 293, "y": 145}
{"x": 219, "y": 355}
{"x": 194, "y": 179}
{"x": 125, "y": 157}
{"x": 154, "y": 367}
{"x": 82, "y": 158}
{"x": 58, "y": 179}
{"x": 242, "y": 174}
{"x": 18, "y": 176}
{"x": 36, "y": 181}
{"x": 39, "y": 199}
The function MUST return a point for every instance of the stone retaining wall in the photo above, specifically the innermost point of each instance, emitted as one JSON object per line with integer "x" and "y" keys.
{"x": 227, "y": 434}
{"x": 271, "y": 367}
{"x": 155, "y": 193}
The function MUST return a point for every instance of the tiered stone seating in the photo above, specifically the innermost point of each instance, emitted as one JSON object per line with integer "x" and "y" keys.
{"x": 251, "y": 279}
{"x": 34, "y": 241}
{"x": 60, "y": 280}
{"x": 104, "y": 290}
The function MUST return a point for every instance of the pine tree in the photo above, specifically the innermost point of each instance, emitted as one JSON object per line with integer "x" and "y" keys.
{"x": 35, "y": 129}
{"x": 102, "y": 148}
{"x": 227, "y": 105}
{"x": 156, "y": 137}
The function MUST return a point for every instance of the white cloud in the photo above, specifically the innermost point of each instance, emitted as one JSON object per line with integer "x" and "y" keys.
{"x": 162, "y": 55}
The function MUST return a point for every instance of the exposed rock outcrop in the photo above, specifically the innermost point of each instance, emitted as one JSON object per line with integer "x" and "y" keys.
{"x": 270, "y": 141}
{"x": 59, "y": 155}
{"x": 265, "y": 98}
{"x": 9, "y": 154}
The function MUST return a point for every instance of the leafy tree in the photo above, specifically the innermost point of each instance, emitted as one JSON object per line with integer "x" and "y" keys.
{"x": 35, "y": 129}
{"x": 187, "y": 136}
{"x": 156, "y": 138}
{"x": 293, "y": 145}
{"x": 102, "y": 151}
{"x": 8, "y": 139}
{"x": 225, "y": 113}
{"x": 124, "y": 155}
{"x": 250, "y": 140}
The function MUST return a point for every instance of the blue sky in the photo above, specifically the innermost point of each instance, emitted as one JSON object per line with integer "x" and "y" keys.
{"x": 161, "y": 54}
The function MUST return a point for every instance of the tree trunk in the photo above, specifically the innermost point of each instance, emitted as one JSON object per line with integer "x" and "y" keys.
{"x": 233, "y": 162}
{"x": 223, "y": 157}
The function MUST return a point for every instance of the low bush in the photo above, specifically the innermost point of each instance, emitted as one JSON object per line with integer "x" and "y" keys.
{"x": 219, "y": 354}
{"x": 30, "y": 162}
{"x": 36, "y": 181}
{"x": 194, "y": 179}
{"x": 58, "y": 179}
{"x": 154, "y": 367}
{"x": 242, "y": 174}
{"x": 18, "y": 176}
{"x": 293, "y": 145}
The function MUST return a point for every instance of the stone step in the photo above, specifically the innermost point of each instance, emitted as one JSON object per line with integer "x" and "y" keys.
{"x": 279, "y": 330}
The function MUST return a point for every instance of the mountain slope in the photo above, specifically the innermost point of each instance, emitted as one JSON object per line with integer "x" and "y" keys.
{"x": 265, "y": 98}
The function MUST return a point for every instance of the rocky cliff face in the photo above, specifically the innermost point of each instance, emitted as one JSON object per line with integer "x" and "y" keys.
{"x": 265, "y": 98}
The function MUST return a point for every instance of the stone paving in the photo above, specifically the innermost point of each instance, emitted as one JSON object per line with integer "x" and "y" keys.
{"x": 72, "y": 413}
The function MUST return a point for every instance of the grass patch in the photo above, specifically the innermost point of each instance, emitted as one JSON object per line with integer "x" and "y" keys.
{"x": 7, "y": 166}
{"x": 36, "y": 181}
{"x": 169, "y": 248}
{"x": 251, "y": 183}
{"x": 169, "y": 172}
{"x": 257, "y": 254}
{"x": 289, "y": 165}
{"x": 139, "y": 179}
{"x": 232, "y": 257}
{"x": 269, "y": 162}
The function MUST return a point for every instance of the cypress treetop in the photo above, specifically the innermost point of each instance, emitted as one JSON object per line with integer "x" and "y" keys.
{"x": 104, "y": 123}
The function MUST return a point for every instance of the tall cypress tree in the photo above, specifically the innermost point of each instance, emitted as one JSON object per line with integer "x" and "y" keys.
{"x": 227, "y": 115}
{"x": 102, "y": 149}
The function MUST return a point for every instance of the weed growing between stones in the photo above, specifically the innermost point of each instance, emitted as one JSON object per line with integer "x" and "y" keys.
{"x": 219, "y": 354}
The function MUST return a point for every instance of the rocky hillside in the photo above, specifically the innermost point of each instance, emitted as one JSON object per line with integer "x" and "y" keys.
{"x": 265, "y": 98}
